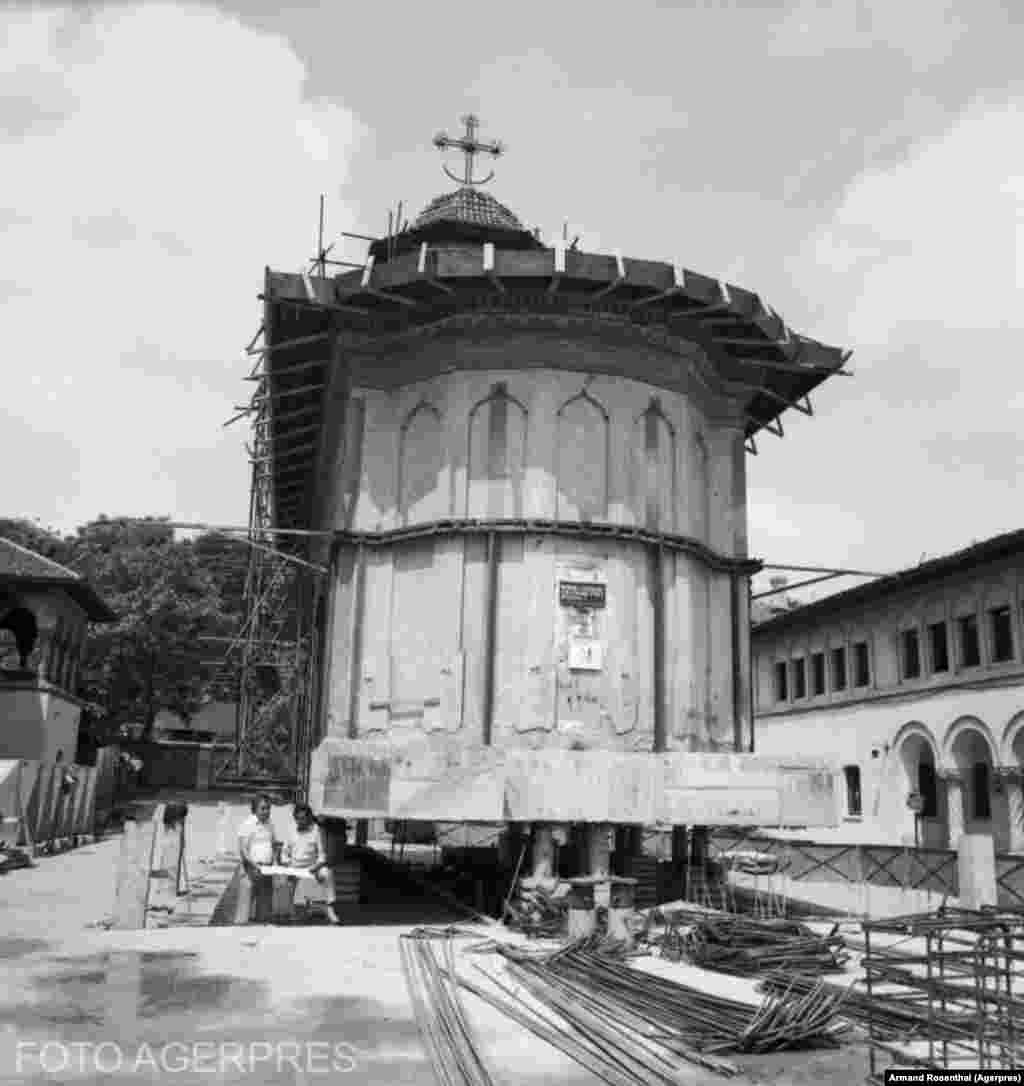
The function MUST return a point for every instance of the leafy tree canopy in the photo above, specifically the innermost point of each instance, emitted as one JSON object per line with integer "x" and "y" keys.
{"x": 174, "y": 598}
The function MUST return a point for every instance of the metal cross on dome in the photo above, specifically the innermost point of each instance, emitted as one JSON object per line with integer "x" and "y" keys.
{"x": 469, "y": 145}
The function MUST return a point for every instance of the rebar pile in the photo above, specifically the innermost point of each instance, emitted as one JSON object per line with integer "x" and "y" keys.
{"x": 890, "y": 1017}
{"x": 442, "y": 1022}
{"x": 631, "y": 1027}
{"x": 740, "y": 945}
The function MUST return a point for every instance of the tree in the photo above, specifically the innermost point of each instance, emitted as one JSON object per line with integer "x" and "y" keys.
{"x": 155, "y": 656}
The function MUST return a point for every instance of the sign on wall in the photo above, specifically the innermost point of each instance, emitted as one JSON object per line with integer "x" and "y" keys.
{"x": 585, "y": 654}
{"x": 581, "y": 595}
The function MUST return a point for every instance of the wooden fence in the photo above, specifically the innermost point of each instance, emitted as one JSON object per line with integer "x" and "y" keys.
{"x": 55, "y": 806}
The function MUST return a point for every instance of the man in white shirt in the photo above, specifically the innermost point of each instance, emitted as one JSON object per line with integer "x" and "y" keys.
{"x": 257, "y": 847}
{"x": 305, "y": 849}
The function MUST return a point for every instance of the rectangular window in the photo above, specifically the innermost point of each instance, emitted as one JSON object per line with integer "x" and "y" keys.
{"x": 781, "y": 681}
{"x": 970, "y": 646}
{"x": 911, "y": 654}
{"x": 980, "y": 790}
{"x": 1002, "y": 634}
{"x": 939, "y": 639}
{"x": 818, "y": 674}
{"x": 799, "y": 679}
{"x": 839, "y": 669}
{"x": 927, "y": 785}
{"x": 852, "y": 775}
{"x": 861, "y": 664}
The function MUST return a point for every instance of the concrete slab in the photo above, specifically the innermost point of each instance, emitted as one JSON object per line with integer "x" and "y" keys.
{"x": 440, "y": 778}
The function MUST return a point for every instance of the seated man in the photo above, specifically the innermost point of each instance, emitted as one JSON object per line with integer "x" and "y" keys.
{"x": 305, "y": 849}
{"x": 257, "y": 847}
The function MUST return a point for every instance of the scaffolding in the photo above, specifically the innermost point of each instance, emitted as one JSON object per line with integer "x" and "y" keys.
{"x": 956, "y": 975}
{"x": 279, "y": 648}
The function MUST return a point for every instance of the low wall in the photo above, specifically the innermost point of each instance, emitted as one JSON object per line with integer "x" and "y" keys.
{"x": 861, "y": 879}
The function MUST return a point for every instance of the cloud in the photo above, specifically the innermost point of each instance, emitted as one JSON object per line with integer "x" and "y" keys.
{"x": 920, "y": 269}
{"x": 157, "y": 157}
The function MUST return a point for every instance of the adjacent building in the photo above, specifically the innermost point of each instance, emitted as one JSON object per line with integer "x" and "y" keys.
{"x": 44, "y": 612}
{"x": 914, "y": 685}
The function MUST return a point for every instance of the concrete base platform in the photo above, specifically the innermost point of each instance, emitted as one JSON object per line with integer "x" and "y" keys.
{"x": 440, "y": 778}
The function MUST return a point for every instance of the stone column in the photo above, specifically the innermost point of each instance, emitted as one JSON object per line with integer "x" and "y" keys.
{"x": 1013, "y": 782}
{"x": 954, "y": 804}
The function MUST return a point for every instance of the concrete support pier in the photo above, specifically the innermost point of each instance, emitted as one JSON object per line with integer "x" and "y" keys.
{"x": 622, "y": 901}
{"x": 599, "y": 857}
{"x": 542, "y": 871}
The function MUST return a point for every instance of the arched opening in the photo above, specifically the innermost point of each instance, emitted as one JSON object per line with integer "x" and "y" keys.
{"x": 920, "y": 778}
{"x": 985, "y": 808}
{"x": 21, "y": 622}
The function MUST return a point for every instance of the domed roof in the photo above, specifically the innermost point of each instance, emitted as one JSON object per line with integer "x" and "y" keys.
{"x": 470, "y": 206}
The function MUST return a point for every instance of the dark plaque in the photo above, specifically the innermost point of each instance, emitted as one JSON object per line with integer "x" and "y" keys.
{"x": 357, "y": 783}
{"x": 581, "y": 594}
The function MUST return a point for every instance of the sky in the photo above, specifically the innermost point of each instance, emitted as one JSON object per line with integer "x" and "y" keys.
{"x": 860, "y": 165}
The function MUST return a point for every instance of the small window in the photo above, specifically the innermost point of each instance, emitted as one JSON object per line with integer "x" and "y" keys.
{"x": 1002, "y": 634}
{"x": 939, "y": 639}
{"x": 970, "y": 646}
{"x": 911, "y": 654}
{"x": 980, "y": 790}
{"x": 799, "y": 679}
{"x": 852, "y": 775}
{"x": 861, "y": 665}
{"x": 781, "y": 681}
{"x": 839, "y": 669}
{"x": 927, "y": 785}
{"x": 818, "y": 674}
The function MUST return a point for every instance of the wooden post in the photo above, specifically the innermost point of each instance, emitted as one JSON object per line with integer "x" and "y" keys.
{"x": 135, "y": 863}
{"x": 21, "y": 801}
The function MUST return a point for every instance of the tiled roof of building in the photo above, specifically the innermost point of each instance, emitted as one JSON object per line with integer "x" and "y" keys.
{"x": 19, "y": 561}
{"x": 21, "y": 566}
{"x": 989, "y": 550}
{"x": 468, "y": 205}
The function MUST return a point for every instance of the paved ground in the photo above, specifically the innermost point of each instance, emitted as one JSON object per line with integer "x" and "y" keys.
{"x": 76, "y": 1002}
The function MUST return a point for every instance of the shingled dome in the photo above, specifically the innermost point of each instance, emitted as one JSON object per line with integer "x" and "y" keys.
{"x": 471, "y": 206}
{"x": 466, "y": 216}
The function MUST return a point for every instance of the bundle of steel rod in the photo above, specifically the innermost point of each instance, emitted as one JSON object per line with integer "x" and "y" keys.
{"x": 893, "y": 1017}
{"x": 443, "y": 1025}
{"x": 741, "y": 945}
{"x": 650, "y": 1022}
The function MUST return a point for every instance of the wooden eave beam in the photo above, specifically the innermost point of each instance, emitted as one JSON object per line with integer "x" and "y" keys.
{"x": 489, "y": 271}
{"x": 678, "y": 287}
{"x": 774, "y": 426}
{"x": 620, "y": 278}
{"x": 284, "y": 416}
{"x": 559, "y": 268}
{"x": 301, "y": 430}
{"x": 421, "y": 271}
{"x": 285, "y": 344}
{"x": 764, "y": 390}
{"x": 274, "y": 397}
{"x": 286, "y": 454}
